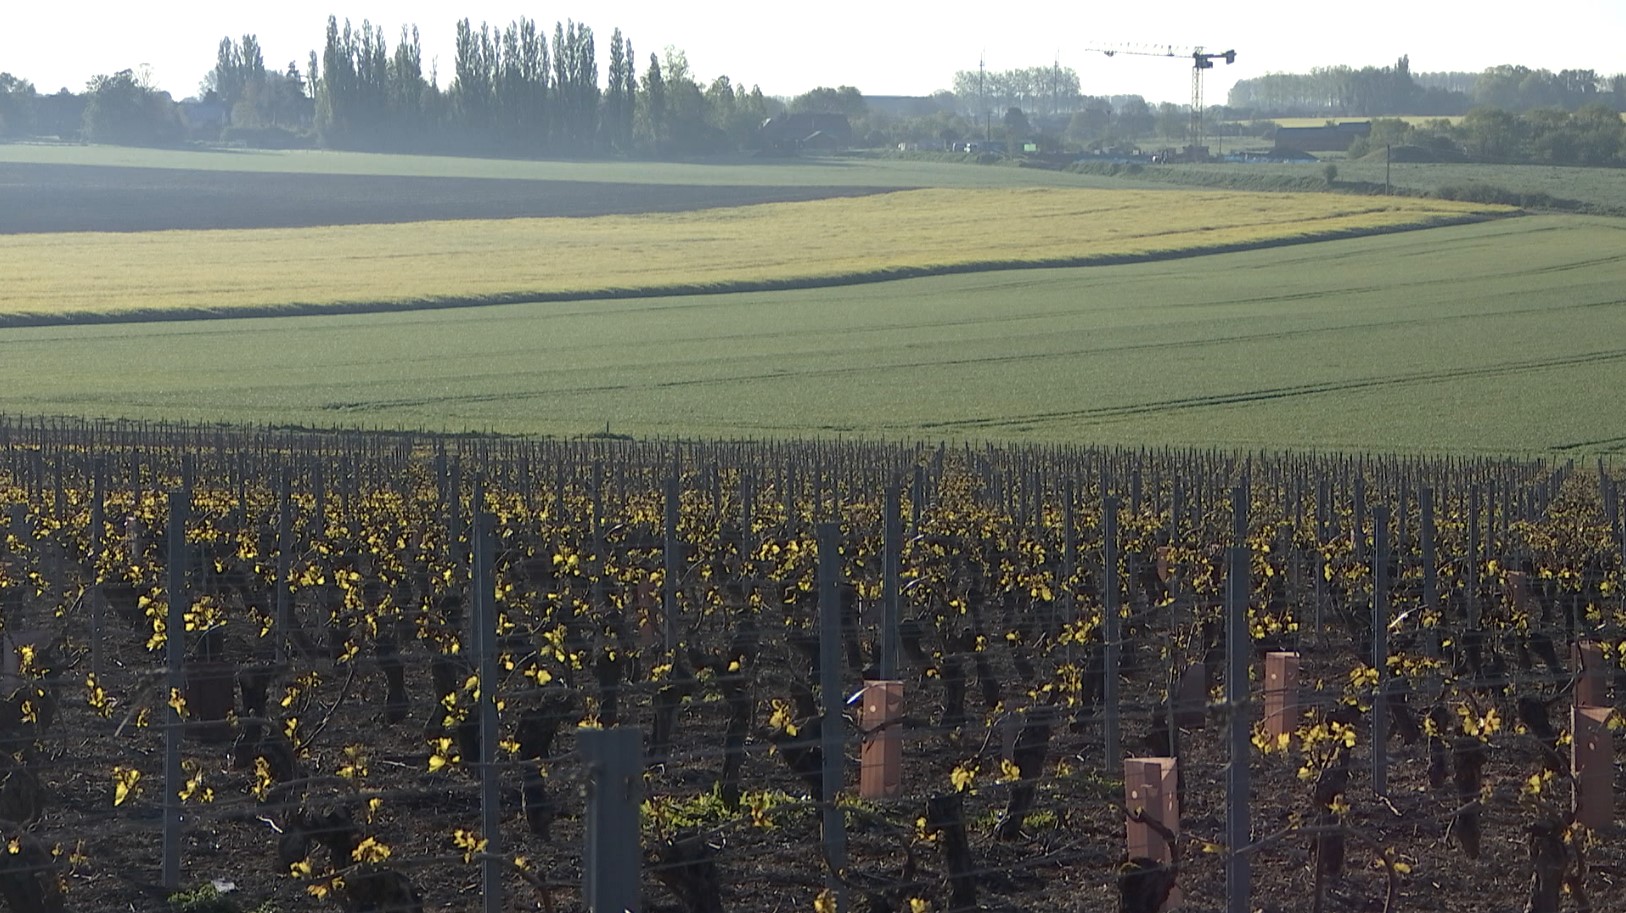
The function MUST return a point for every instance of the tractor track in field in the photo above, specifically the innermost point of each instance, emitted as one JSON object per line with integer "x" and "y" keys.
{"x": 1243, "y": 397}
{"x": 849, "y": 370}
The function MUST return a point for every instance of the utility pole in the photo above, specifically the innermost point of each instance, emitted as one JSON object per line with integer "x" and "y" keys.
{"x": 982, "y": 99}
{"x": 1055, "y": 86}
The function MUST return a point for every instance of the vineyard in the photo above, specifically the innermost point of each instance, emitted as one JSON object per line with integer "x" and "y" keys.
{"x": 282, "y": 670}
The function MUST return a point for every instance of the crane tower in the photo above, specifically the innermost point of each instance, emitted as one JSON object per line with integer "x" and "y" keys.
{"x": 1200, "y": 62}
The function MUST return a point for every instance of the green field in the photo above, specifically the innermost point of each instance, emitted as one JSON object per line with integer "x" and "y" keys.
{"x": 1507, "y": 336}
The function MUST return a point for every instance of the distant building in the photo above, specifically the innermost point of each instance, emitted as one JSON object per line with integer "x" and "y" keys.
{"x": 197, "y": 114}
{"x": 1330, "y": 138}
{"x": 796, "y": 132}
{"x": 819, "y": 141}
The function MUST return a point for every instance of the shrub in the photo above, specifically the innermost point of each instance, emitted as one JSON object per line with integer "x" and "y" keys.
{"x": 267, "y": 138}
{"x": 207, "y": 898}
{"x": 1476, "y": 192}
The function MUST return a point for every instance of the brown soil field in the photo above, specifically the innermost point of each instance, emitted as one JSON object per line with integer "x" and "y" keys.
{"x": 72, "y": 198}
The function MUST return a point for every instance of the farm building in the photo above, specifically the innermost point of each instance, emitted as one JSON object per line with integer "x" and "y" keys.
{"x": 1330, "y": 138}
{"x": 199, "y": 114}
{"x": 796, "y": 132}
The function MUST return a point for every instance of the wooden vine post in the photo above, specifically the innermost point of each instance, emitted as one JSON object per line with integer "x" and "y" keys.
{"x": 285, "y": 543}
{"x": 1239, "y": 654}
{"x": 175, "y": 658}
{"x": 98, "y": 601}
{"x": 917, "y": 498}
{"x": 673, "y": 565}
{"x": 1152, "y": 800}
{"x": 831, "y": 702}
{"x": 891, "y": 585}
{"x": 1592, "y": 750}
{"x": 1592, "y": 675}
{"x": 485, "y": 645}
{"x": 1358, "y": 533}
{"x": 1069, "y": 569}
{"x": 597, "y": 532}
{"x": 1111, "y": 633}
{"x": 881, "y": 754}
{"x": 1281, "y": 693}
{"x": 1472, "y": 577}
{"x": 612, "y": 856}
{"x": 1191, "y": 697}
{"x": 20, "y": 628}
{"x": 1431, "y": 570}
{"x": 1380, "y": 649}
{"x": 748, "y": 514}
{"x": 881, "y": 709}
{"x": 1323, "y": 519}
{"x": 318, "y": 517}
{"x": 1592, "y": 764}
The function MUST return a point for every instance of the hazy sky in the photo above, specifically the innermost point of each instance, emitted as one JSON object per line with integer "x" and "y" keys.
{"x": 883, "y": 48}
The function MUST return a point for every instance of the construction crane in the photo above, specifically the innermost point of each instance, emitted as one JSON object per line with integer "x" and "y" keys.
{"x": 1200, "y": 61}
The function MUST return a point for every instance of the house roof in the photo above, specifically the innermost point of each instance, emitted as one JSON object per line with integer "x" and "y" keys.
{"x": 1333, "y": 137}
{"x": 805, "y": 126}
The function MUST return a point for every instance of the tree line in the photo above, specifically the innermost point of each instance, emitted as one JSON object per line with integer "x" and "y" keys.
{"x": 1045, "y": 91}
{"x": 1593, "y": 135}
{"x": 519, "y": 89}
{"x": 1394, "y": 90}
{"x": 514, "y": 89}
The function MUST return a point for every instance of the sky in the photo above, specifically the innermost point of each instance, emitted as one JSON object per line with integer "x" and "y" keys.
{"x": 881, "y": 47}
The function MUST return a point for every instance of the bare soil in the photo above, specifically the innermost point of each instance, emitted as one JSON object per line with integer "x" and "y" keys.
{"x": 60, "y": 198}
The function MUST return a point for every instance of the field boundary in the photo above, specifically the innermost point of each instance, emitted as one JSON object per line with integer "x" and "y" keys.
{"x": 863, "y": 277}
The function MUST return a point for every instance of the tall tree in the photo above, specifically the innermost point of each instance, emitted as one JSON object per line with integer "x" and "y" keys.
{"x": 17, "y": 105}
{"x": 1135, "y": 117}
{"x": 523, "y": 86}
{"x": 687, "y": 132}
{"x": 352, "y": 95}
{"x": 473, "y": 89}
{"x": 615, "y": 120}
{"x": 630, "y": 73}
{"x": 825, "y": 100}
{"x": 226, "y": 79}
{"x": 406, "y": 85}
{"x": 120, "y": 109}
{"x": 720, "y": 103}
{"x": 336, "y": 88}
{"x": 575, "y": 86}
{"x": 652, "y": 107}
{"x": 251, "y": 61}
{"x": 1054, "y": 89}
{"x": 1016, "y": 124}
{"x": 1493, "y": 134}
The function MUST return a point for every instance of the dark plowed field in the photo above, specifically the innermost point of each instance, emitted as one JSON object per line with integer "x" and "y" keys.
{"x": 55, "y": 198}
